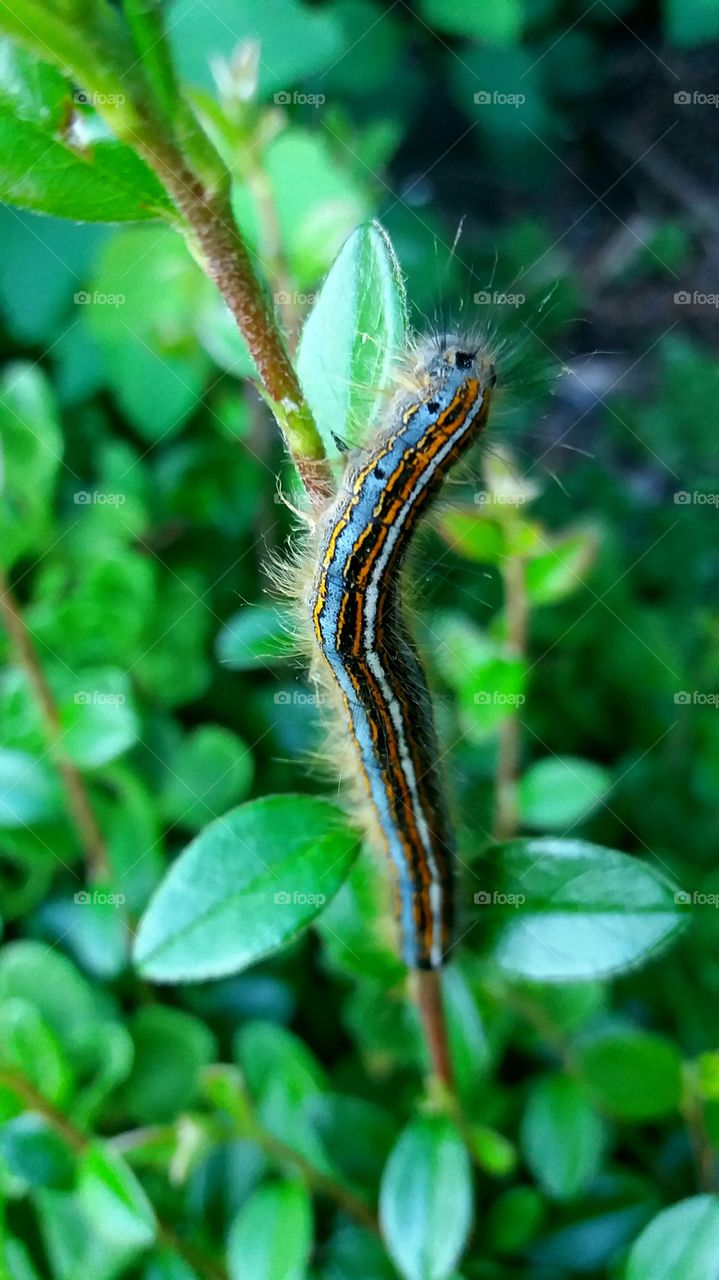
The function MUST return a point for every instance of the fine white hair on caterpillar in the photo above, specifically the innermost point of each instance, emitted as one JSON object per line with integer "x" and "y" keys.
{"x": 384, "y": 731}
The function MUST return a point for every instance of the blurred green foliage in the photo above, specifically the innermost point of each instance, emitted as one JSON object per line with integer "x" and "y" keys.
{"x": 270, "y": 1122}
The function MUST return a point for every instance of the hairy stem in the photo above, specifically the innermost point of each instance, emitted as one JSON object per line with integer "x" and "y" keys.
{"x": 208, "y": 214}
{"x": 76, "y": 795}
{"x": 106, "y": 51}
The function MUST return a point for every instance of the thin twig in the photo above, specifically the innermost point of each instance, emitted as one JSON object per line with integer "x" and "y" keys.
{"x": 506, "y": 814}
{"x": 76, "y": 795}
{"x": 428, "y": 989}
{"x": 75, "y": 1138}
{"x": 317, "y": 1181}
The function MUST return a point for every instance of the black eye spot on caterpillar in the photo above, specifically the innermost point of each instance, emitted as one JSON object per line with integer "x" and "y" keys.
{"x": 464, "y": 360}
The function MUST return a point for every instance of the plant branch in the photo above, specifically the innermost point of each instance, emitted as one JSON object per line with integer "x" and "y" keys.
{"x": 36, "y": 1101}
{"x": 106, "y": 52}
{"x": 208, "y": 214}
{"x": 319, "y": 1182}
{"x": 77, "y": 798}
{"x": 506, "y": 814}
{"x": 78, "y": 1141}
{"x": 428, "y": 995}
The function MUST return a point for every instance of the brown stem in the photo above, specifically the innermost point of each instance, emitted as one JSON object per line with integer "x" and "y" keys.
{"x": 692, "y": 1109}
{"x": 194, "y": 1257}
{"x": 76, "y": 795}
{"x": 155, "y": 118}
{"x": 506, "y": 814}
{"x": 428, "y": 993}
{"x": 208, "y": 212}
{"x": 36, "y": 1101}
{"x": 316, "y": 1180}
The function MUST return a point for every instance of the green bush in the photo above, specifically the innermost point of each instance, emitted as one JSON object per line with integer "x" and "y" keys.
{"x": 212, "y": 1061}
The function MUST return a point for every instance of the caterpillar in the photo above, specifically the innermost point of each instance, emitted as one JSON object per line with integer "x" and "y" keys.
{"x": 355, "y": 608}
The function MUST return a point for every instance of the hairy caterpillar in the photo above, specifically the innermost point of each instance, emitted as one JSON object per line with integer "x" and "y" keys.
{"x": 355, "y": 608}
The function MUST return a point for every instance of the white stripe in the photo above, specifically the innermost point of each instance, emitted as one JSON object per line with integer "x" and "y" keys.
{"x": 373, "y": 660}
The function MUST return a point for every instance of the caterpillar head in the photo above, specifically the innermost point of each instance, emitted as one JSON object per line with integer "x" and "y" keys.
{"x": 450, "y": 358}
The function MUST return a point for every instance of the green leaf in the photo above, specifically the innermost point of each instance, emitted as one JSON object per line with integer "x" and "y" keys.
{"x": 212, "y": 770}
{"x": 113, "y": 1199}
{"x": 514, "y": 1219}
{"x": 75, "y": 1243}
{"x": 358, "y": 928}
{"x": 681, "y": 1243}
{"x": 297, "y": 42}
{"x": 488, "y": 677}
{"x": 426, "y": 1200}
{"x": 17, "y": 1260}
{"x": 154, "y": 362}
{"x": 588, "y": 912}
{"x": 353, "y": 1254}
{"x": 352, "y": 338}
{"x": 562, "y": 1138}
{"x": 28, "y": 1044}
{"x": 357, "y": 1136}
{"x": 560, "y": 571}
{"x": 249, "y": 883}
{"x": 494, "y": 1153}
{"x": 73, "y": 175}
{"x": 474, "y": 534}
{"x": 467, "y": 1037}
{"x": 29, "y": 791}
{"x": 271, "y": 1237}
{"x": 166, "y": 1265}
{"x": 99, "y": 720}
{"x": 30, "y": 444}
{"x": 317, "y": 200}
{"x": 46, "y": 979}
{"x": 285, "y": 1082}
{"x": 498, "y": 23}
{"x": 254, "y": 637}
{"x": 690, "y": 22}
{"x": 170, "y": 1049}
{"x": 34, "y": 1153}
{"x": 94, "y": 928}
{"x": 37, "y": 91}
{"x": 560, "y": 791}
{"x": 633, "y": 1074}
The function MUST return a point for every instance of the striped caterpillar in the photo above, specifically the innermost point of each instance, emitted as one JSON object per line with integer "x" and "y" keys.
{"x": 356, "y": 613}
